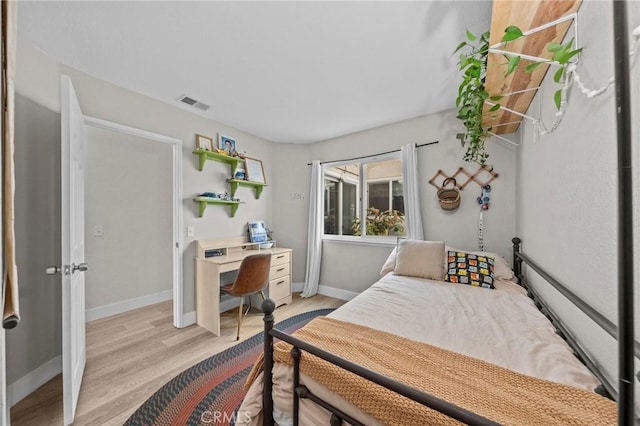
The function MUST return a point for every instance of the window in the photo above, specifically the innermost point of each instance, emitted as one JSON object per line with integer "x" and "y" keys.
{"x": 381, "y": 202}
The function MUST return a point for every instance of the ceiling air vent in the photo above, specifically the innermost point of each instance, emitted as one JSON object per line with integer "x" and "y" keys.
{"x": 194, "y": 103}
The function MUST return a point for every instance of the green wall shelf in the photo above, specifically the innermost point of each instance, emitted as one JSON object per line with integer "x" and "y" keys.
{"x": 203, "y": 202}
{"x": 204, "y": 155}
{"x": 235, "y": 183}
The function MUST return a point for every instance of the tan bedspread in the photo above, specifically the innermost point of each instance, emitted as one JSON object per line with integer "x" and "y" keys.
{"x": 497, "y": 393}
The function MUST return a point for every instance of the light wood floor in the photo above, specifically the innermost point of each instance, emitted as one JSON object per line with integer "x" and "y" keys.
{"x": 131, "y": 355}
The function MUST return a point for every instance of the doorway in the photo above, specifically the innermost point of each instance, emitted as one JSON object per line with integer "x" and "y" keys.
{"x": 133, "y": 203}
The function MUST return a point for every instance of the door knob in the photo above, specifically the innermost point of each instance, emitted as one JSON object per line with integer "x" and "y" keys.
{"x": 82, "y": 267}
{"x": 67, "y": 269}
{"x": 52, "y": 270}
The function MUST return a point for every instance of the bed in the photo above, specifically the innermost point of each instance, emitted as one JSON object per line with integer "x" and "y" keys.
{"x": 500, "y": 329}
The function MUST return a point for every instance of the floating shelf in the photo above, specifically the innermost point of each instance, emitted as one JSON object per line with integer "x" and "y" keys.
{"x": 214, "y": 156}
{"x": 257, "y": 186}
{"x": 203, "y": 202}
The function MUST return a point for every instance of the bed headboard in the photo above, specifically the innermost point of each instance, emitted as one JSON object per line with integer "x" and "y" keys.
{"x": 519, "y": 258}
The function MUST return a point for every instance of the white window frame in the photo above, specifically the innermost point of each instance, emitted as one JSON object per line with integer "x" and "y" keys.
{"x": 362, "y": 198}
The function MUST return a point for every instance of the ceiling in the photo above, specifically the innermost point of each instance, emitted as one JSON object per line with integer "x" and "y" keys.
{"x": 294, "y": 72}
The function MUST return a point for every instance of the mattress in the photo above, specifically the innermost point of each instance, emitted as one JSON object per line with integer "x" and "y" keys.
{"x": 501, "y": 326}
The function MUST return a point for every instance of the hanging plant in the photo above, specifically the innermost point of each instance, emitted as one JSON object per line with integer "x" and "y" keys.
{"x": 561, "y": 56}
{"x": 472, "y": 95}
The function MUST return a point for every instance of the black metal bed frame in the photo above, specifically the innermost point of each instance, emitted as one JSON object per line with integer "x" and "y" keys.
{"x": 628, "y": 347}
{"x": 451, "y": 410}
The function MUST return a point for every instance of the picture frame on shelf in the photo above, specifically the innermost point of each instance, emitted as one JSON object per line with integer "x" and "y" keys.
{"x": 204, "y": 142}
{"x": 226, "y": 144}
{"x": 254, "y": 170}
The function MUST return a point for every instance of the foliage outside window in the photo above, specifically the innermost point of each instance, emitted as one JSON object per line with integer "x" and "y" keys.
{"x": 389, "y": 222}
{"x": 381, "y": 201}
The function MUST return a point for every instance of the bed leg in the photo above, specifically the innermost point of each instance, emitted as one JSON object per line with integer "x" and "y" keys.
{"x": 517, "y": 262}
{"x": 296, "y": 353}
{"x": 268, "y": 306}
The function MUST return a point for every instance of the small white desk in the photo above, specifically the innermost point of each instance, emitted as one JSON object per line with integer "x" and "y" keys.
{"x": 209, "y": 269}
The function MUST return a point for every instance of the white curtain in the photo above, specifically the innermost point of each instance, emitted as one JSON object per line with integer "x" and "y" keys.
{"x": 411, "y": 193}
{"x": 314, "y": 242}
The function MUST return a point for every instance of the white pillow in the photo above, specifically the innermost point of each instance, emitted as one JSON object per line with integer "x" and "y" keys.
{"x": 501, "y": 268}
{"x": 423, "y": 259}
{"x": 390, "y": 263}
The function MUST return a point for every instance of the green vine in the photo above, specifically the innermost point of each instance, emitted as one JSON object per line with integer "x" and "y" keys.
{"x": 472, "y": 95}
{"x": 561, "y": 54}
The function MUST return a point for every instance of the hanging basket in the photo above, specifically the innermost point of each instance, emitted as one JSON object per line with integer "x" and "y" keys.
{"x": 449, "y": 198}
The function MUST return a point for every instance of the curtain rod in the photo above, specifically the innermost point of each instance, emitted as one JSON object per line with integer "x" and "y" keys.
{"x": 375, "y": 155}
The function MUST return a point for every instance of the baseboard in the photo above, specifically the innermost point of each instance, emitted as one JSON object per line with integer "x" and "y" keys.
{"x": 127, "y": 305}
{"x": 297, "y": 287}
{"x": 338, "y": 293}
{"x": 24, "y": 386}
{"x": 188, "y": 319}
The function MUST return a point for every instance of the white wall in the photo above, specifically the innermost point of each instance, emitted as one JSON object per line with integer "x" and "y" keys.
{"x": 128, "y": 193}
{"x": 567, "y": 189}
{"x": 458, "y": 228}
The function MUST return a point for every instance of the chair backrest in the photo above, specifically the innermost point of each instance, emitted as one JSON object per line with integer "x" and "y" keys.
{"x": 253, "y": 275}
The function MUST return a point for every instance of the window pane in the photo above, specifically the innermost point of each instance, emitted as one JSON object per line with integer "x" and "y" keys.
{"x": 398, "y": 199}
{"x": 330, "y": 207}
{"x": 379, "y": 195}
{"x": 349, "y": 203}
{"x": 347, "y": 185}
{"x": 384, "y": 198}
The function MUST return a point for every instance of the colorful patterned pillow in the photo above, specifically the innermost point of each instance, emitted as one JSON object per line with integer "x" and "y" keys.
{"x": 471, "y": 269}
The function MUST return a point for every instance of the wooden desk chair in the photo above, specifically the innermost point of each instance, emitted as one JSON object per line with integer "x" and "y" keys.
{"x": 252, "y": 278}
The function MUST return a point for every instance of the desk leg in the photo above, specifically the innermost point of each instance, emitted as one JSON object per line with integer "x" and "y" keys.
{"x": 208, "y": 296}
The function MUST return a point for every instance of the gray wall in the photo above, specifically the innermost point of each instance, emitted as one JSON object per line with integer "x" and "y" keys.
{"x": 567, "y": 189}
{"x": 37, "y": 227}
{"x": 458, "y": 228}
{"x": 128, "y": 184}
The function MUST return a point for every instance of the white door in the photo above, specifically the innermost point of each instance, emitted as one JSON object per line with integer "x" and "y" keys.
{"x": 73, "y": 266}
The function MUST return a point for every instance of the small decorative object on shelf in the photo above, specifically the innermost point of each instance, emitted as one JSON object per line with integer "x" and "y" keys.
{"x": 254, "y": 170}
{"x": 226, "y": 145}
{"x": 257, "y": 231}
{"x": 204, "y": 143}
{"x": 240, "y": 175}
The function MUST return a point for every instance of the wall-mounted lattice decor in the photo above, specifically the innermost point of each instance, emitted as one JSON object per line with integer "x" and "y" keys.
{"x": 483, "y": 172}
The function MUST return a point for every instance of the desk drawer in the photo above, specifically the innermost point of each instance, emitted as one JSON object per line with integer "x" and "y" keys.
{"x": 280, "y": 271}
{"x": 280, "y": 288}
{"x": 280, "y": 258}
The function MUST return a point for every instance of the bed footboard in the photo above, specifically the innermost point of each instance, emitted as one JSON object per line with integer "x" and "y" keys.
{"x": 444, "y": 407}
{"x": 337, "y": 417}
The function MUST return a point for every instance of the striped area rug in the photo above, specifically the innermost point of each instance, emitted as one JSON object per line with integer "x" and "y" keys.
{"x": 210, "y": 392}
